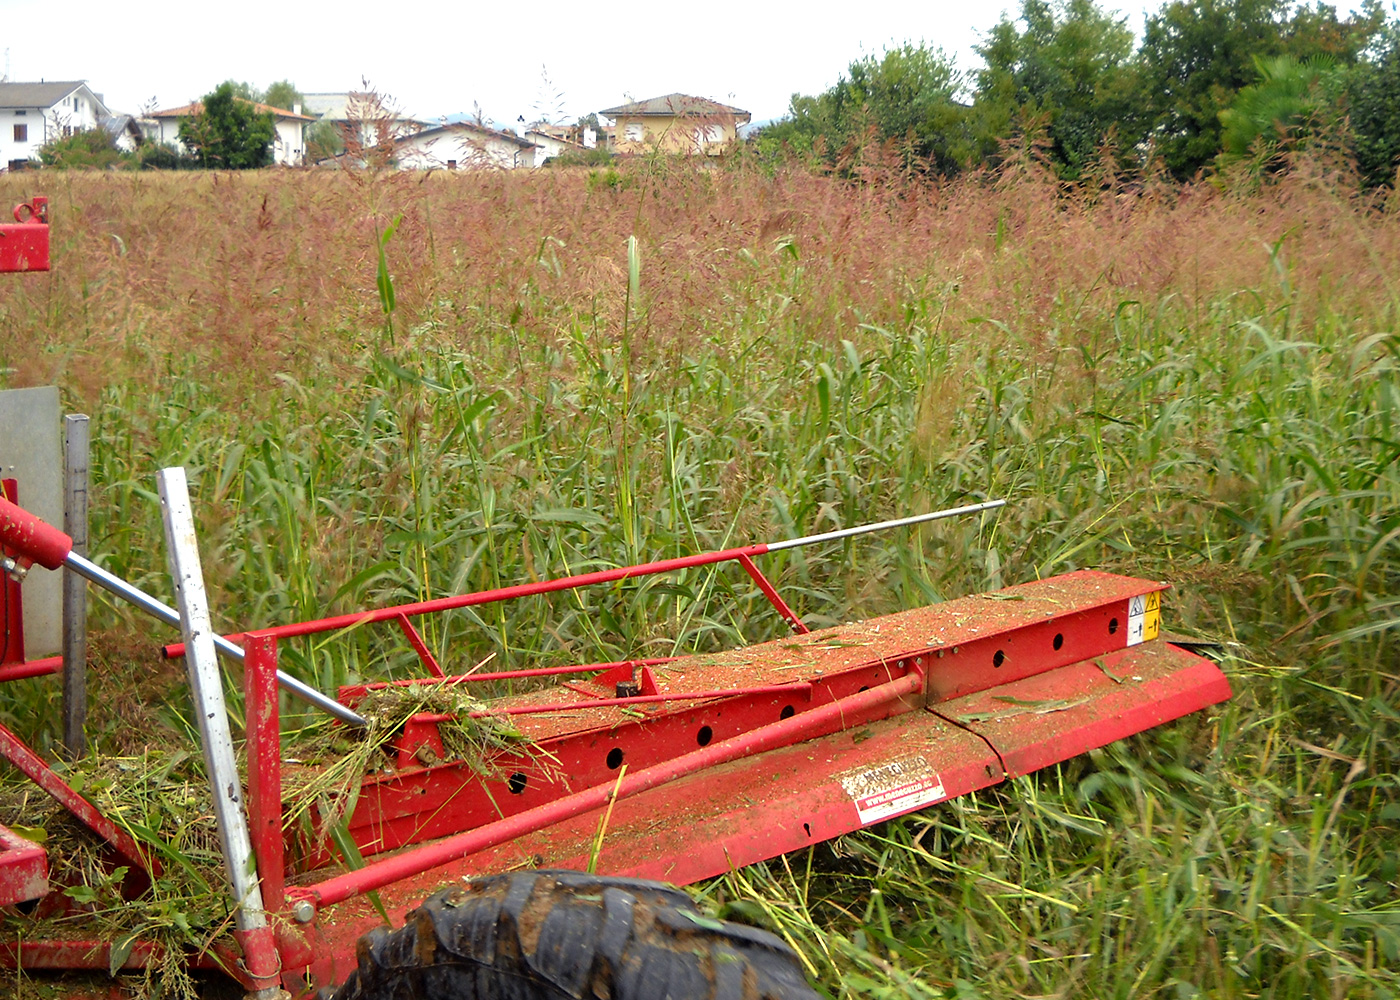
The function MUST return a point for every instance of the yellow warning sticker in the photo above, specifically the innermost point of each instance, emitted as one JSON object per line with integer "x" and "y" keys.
{"x": 1154, "y": 601}
{"x": 1151, "y": 623}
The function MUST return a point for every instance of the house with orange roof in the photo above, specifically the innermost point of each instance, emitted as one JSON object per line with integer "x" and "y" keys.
{"x": 289, "y": 140}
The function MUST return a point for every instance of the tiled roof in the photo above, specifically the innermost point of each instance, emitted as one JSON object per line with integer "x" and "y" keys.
{"x": 676, "y": 104}
{"x": 190, "y": 110}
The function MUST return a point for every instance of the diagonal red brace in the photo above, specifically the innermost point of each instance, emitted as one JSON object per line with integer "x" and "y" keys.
{"x": 419, "y": 646}
{"x": 773, "y": 596}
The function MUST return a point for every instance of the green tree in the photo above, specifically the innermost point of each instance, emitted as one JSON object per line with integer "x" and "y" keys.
{"x": 283, "y": 94}
{"x": 229, "y": 132}
{"x": 1373, "y": 87}
{"x": 1290, "y": 95}
{"x": 324, "y": 139}
{"x": 1197, "y": 54}
{"x": 905, "y": 98}
{"x": 243, "y": 89}
{"x": 1067, "y": 68}
{"x": 93, "y": 148}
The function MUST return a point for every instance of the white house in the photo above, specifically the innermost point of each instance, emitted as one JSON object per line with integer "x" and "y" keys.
{"x": 550, "y": 141}
{"x": 289, "y": 139}
{"x": 125, "y": 130}
{"x": 463, "y": 146}
{"x": 376, "y": 118}
{"x": 32, "y": 114}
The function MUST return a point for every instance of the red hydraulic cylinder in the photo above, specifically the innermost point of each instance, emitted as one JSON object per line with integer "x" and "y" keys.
{"x": 30, "y": 539}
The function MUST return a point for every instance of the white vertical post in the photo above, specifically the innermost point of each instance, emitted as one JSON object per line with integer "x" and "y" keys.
{"x": 206, "y": 688}
{"x": 75, "y": 525}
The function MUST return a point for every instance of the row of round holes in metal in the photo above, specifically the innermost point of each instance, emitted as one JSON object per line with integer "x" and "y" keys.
{"x": 999, "y": 657}
{"x": 519, "y": 780}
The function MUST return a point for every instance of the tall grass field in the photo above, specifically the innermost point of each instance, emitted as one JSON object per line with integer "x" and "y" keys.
{"x": 389, "y": 387}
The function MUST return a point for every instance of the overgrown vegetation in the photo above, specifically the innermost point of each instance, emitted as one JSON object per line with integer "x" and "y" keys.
{"x": 1068, "y": 70}
{"x": 1198, "y": 384}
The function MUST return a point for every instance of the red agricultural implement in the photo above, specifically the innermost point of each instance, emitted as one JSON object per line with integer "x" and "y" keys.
{"x": 700, "y": 764}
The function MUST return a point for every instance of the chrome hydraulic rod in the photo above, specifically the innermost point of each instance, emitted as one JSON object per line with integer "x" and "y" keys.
{"x": 170, "y": 616}
{"x": 899, "y": 522}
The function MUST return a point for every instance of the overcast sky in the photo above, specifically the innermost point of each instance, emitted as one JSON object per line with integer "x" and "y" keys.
{"x": 441, "y": 58}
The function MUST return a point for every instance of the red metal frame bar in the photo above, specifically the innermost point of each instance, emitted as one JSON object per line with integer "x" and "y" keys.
{"x": 773, "y": 597}
{"x": 875, "y": 702}
{"x": 264, "y": 748}
{"x": 11, "y": 608}
{"x": 414, "y": 609}
{"x": 31, "y": 668}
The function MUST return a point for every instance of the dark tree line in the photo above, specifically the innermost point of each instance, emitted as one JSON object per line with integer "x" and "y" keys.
{"x": 1210, "y": 80}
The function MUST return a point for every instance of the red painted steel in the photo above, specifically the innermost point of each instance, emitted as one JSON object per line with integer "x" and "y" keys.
{"x": 30, "y": 539}
{"x": 816, "y": 722}
{"x": 897, "y": 713}
{"x": 24, "y": 869}
{"x": 264, "y": 751}
{"x": 24, "y": 245}
{"x": 772, "y": 594}
{"x": 31, "y": 668}
{"x": 11, "y": 603}
{"x": 419, "y": 646}
{"x": 13, "y": 749}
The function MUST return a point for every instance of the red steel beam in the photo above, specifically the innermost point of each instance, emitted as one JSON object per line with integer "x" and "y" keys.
{"x": 33, "y": 668}
{"x": 264, "y": 767}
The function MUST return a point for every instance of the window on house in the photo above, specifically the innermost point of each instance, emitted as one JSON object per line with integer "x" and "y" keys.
{"x": 451, "y": 164}
{"x": 21, "y": 133}
{"x": 633, "y": 132}
{"x": 21, "y": 114}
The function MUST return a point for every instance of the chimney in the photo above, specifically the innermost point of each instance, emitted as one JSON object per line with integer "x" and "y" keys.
{"x": 296, "y": 108}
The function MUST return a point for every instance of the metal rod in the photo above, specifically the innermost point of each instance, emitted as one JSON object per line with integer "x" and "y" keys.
{"x": 358, "y": 618}
{"x": 828, "y": 718}
{"x": 206, "y": 688}
{"x": 899, "y": 522}
{"x": 75, "y": 526}
{"x": 167, "y": 614}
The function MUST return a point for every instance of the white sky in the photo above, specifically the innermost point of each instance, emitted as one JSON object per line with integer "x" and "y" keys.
{"x": 439, "y": 58}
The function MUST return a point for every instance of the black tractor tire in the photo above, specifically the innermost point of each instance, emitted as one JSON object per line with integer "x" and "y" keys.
{"x": 552, "y": 935}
